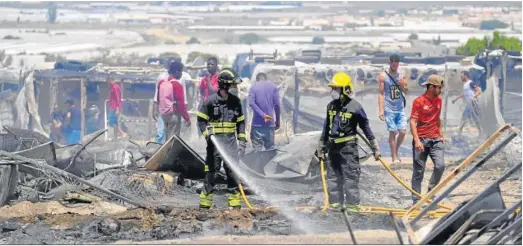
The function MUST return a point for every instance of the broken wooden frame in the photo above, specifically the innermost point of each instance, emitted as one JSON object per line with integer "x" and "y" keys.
{"x": 451, "y": 217}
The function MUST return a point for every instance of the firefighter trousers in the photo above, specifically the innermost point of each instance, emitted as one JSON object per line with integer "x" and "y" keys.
{"x": 213, "y": 163}
{"x": 344, "y": 164}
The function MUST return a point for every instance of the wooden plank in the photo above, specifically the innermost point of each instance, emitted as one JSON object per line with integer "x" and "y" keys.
{"x": 83, "y": 105}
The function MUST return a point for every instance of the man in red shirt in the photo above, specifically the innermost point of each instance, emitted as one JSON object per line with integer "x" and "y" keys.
{"x": 115, "y": 107}
{"x": 171, "y": 101}
{"x": 425, "y": 125}
{"x": 209, "y": 83}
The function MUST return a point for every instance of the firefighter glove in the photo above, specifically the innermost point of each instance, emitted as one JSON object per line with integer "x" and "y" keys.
{"x": 375, "y": 149}
{"x": 320, "y": 151}
{"x": 241, "y": 148}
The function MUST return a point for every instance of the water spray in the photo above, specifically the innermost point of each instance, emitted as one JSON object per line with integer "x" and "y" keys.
{"x": 233, "y": 165}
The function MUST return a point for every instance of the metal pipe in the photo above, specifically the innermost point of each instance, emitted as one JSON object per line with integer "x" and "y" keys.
{"x": 455, "y": 214}
{"x": 347, "y": 222}
{"x": 495, "y": 239}
{"x": 496, "y": 220}
{"x": 396, "y": 228}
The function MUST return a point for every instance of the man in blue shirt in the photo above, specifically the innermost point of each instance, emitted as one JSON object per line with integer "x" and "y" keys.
{"x": 265, "y": 102}
{"x": 73, "y": 123}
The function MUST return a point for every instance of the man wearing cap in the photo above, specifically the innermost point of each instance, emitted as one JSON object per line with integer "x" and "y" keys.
{"x": 73, "y": 123}
{"x": 391, "y": 102}
{"x": 425, "y": 125}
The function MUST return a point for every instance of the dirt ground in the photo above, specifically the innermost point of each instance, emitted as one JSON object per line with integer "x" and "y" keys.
{"x": 104, "y": 222}
{"x": 362, "y": 237}
{"x": 53, "y": 222}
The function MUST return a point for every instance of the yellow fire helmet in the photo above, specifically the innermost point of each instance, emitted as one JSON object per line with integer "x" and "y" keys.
{"x": 343, "y": 80}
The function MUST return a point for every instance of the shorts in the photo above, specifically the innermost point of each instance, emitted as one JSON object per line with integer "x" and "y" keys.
{"x": 395, "y": 121}
{"x": 112, "y": 120}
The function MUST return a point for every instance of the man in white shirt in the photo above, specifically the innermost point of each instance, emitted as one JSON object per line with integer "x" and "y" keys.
{"x": 470, "y": 93}
{"x": 160, "y": 129}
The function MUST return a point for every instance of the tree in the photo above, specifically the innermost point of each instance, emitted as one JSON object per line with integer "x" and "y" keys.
{"x": 492, "y": 24}
{"x": 413, "y": 36}
{"x": 251, "y": 38}
{"x": 380, "y": 13}
{"x": 318, "y": 40}
{"x": 51, "y": 13}
{"x": 192, "y": 40}
{"x": 474, "y": 45}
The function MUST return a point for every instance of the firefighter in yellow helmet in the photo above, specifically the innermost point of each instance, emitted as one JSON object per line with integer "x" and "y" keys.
{"x": 339, "y": 140}
{"x": 221, "y": 115}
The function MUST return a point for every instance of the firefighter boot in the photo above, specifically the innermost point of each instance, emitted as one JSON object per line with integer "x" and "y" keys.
{"x": 206, "y": 200}
{"x": 234, "y": 200}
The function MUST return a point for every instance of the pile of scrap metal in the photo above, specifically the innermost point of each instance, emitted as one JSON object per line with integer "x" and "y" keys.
{"x": 30, "y": 162}
{"x": 483, "y": 219}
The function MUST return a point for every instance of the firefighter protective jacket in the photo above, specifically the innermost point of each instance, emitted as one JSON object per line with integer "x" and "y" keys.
{"x": 224, "y": 115}
{"x": 343, "y": 117}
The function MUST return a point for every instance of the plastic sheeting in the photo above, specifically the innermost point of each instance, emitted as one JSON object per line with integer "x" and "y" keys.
{"x": 489, "y": 103}
{"x": 26, "y": 107}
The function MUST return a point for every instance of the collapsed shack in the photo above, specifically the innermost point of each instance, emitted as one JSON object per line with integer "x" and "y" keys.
{"x": 92, "y": 92}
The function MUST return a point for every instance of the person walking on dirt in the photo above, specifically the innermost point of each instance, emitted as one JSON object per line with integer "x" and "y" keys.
{"x": 115, "y": 108}
{"x": 471, "y": 91}
{"x": 221, "y": 115}
{"x": 171, "y": 101}
{"x": 160, "y": 128}
{"x": 73, "y": 123}
{"x": 391, "y": 102}
{"x": 264, "y": 99}
{"x": 344, "y": 115}
{"x": 425, "y": 125}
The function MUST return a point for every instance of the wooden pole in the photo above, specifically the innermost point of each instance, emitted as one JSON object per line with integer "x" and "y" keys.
{"x": 504, "y": 61}
{"x": 446, "y": 102}
{"x": 83, "y": 104}
{"x": 150, "y": 120}
{"x": 52, "y": 94}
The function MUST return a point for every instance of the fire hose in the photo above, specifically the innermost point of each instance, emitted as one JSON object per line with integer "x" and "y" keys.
{"x": 387, "y": 167}
{"x": 363, "y": 209}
